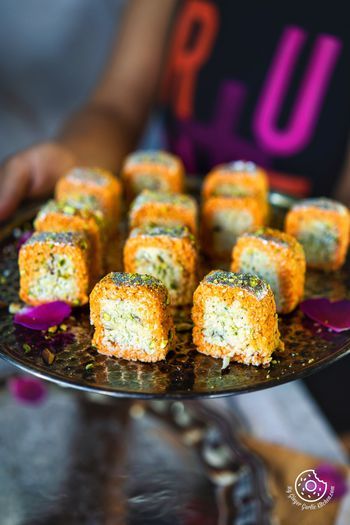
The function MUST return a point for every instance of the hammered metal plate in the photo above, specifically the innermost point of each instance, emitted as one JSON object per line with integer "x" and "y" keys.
{"x": 106, "y": 461}
{"x": 69, "y": 359}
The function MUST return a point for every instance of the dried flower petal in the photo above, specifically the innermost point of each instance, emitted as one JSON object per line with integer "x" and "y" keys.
{"x": 334, "y": 315}
{"x": 334, "y": 477}
{"x": 27, "y": 389}
{"x": 44, "y": 316}
{"x": 23, "y": 238}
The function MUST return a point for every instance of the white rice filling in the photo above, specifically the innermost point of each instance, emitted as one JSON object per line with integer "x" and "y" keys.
{"x": 124, "y": 324}
{"x": 161, "y": 264}
{"x": 227, "y": 326}
{"x": 319, "y": 240}
{"x": 227, "y": 226}
{"x": 149, "y": 181}
{"x": 257, "y": 262}
{"x": 56, "y": 279}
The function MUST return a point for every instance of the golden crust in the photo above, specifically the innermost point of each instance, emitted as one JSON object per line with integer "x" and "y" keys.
{"x": 158, "y": 315}
{"x": 34, "y": 255}
{"x": 173, "y": 171}
{"x": 252, "y": 184}
{"x": 161, "y": 213}
{"x": 287, "y": 253}
{"x": 265, "y": 337}
{"x": 57, "y": 221}
{"x": 214, "y": 204}
{"x": 183, "y": 250}
{"x": 108, "y": 194}
{"x": 299, "y": 215}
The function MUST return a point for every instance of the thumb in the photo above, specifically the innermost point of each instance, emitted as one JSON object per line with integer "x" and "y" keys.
{"x": 14, "y": 185}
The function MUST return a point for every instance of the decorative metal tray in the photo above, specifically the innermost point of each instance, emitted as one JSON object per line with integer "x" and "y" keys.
{"x": 67, "y": 357}
{"x": 153, "y": 463}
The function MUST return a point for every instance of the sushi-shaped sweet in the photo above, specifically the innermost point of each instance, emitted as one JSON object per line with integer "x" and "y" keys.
{"x": 276, "y": 257}
{"x": 322, "y": 227}
{"x": 235, "y": 318}
{"x": 98, "y": 183}
{"x": 63, "y": 217}
{"x": 169, "y": 254}
{"x": 55, "y": 267}
{"x": 225, "y": 219}
{"x": 236, "y": 179}
{"x": 131, "y": 316}
{"x": 164, "y": 209}
{"x": 152, "y": 170}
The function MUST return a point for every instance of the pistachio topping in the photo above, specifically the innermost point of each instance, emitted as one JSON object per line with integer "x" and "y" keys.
{"x": 163, "y": 197}
{"x": 151, "y": 157}
{"x": 91, "y": 175}
{"x": 150, "y": 230}
{"x": 135, "y": 279}
{"x": 322, "y": 203}
{"x": 270, "y": 235}
{"x": 58, "y": 238}
{"x": 251, "y": 283}
{"x": 240, "y": 166}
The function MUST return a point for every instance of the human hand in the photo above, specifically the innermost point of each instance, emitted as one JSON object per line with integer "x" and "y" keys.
{"x": 32, "y": 173}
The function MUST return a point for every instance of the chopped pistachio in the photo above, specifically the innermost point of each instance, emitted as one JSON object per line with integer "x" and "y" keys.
{"x": 26, "y": 347}
{"x": 14, "y": 308}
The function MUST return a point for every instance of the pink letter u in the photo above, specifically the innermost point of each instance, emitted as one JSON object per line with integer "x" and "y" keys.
{"x": 303, "y": 119}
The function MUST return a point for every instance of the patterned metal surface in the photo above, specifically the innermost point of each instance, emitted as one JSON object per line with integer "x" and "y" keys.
{"x": 97, "y": 460}
{"x": 68, "y": 358}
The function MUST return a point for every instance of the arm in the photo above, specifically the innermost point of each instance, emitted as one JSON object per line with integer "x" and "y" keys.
{"x": 110, "y": 124}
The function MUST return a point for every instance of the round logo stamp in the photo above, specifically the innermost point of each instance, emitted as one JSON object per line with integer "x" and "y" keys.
{"x": 311, "y": 492}
{"x": 309, "y": 487}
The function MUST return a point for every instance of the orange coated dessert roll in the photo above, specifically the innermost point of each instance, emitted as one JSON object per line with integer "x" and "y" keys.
{"x": 131, "y": 316}
{"x": 276, "y": 257}
{"x": 96, "y": 182}
{"x": 164, "y": 209}
{"x": 62, "y": 217}
{"x": 152, "y": 170}
{"x": 55, "y": 267}
{"x": 235, "y": 318}
{"x": 322, "y": 227}
{"x": 170, "y": 254}
{"x": 236, "y": 179}
{"x": 225, "y": 219}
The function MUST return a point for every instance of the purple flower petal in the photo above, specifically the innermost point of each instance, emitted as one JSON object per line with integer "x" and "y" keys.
{"x": 334, "y": 315}
{"x": 27, "y": 389}
{"x": 334, "y": 477}
{"x": 23, "y": 238}
{"x": 43, "y": 316}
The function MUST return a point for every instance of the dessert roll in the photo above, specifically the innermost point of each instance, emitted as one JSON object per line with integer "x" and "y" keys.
{"x": 96, "y": 182}
{"x": 131, "y": 316}
{"x": 164, "y": 209}
{"x": 170, "y": 254}
{"x": 225, "y": 219}
{"x": 55, "y": 267}
{"x": 276, "y": 257}
{"x": 322, "y": 227}
{"x": 236, "y": 179}
{"x": 63, "y": 217}
{"x": 235, "y": 318}
{"x": 152, "y": 170}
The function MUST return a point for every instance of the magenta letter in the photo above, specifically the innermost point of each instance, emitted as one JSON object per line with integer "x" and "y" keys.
{"x": 303, "y": 119}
